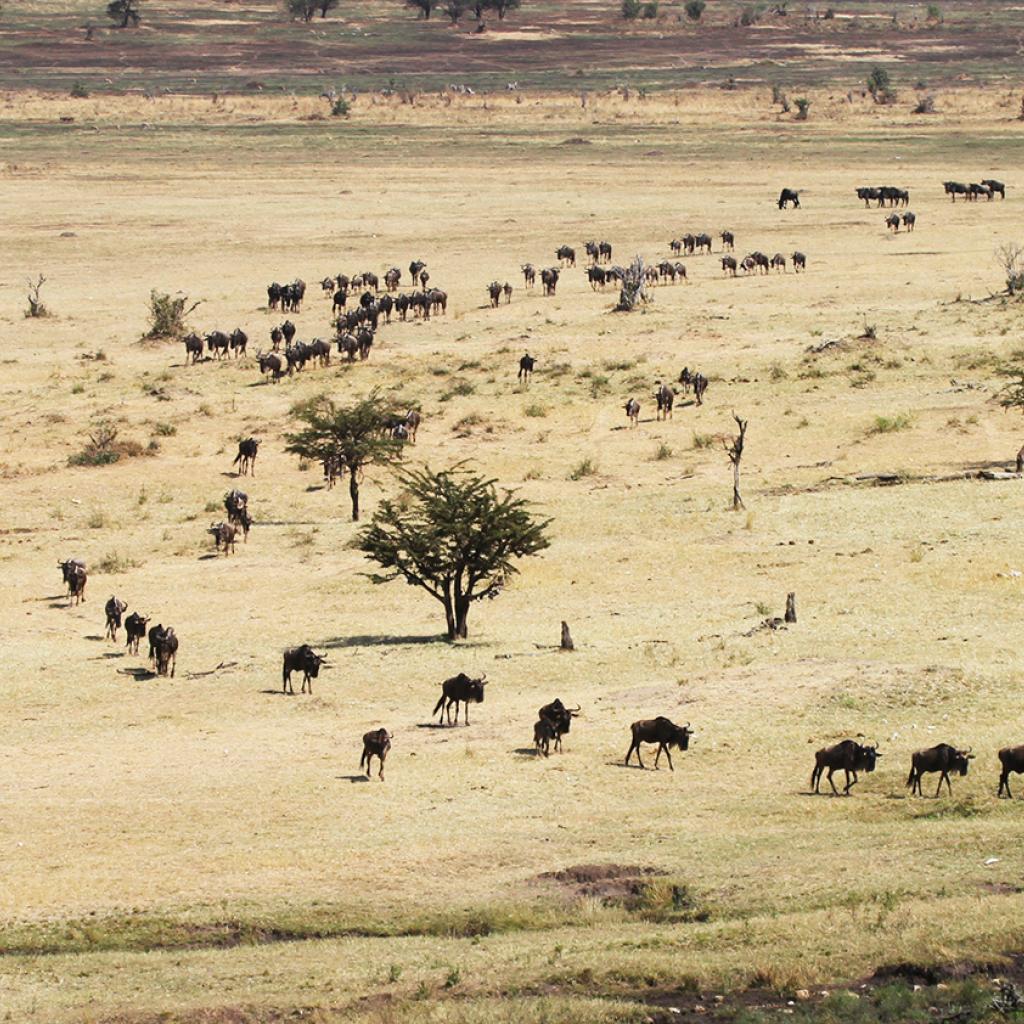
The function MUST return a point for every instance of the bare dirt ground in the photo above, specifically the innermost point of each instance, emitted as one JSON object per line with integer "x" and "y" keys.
{"x": 158, "y": 834}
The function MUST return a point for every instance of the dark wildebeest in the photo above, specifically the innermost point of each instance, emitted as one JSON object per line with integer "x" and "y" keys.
{"x": 414, "y": 269}
{"x": 163, "y": 650}
{"x": 223, "y": 533}
{"x": 423, "y": 279}
{"x": 553, "y": 721}
{"x": 339, "y": 301}
{"x": 364, "y": 337}
{"x": 218, "y": 343}
{"x": 848, "y": 756}
{"x": 273, "y": 295}
{"x": 604, "y": 252}
{"x": 235, "y": 503}
{"x": 665, "y": 397}
{"x": 700, "y": 385}
{"x": 506, "y": 290}
{"x": 392, "y": 279}
{"x": 729, "y": 265}
{"x": 995, "y": 186}
{"x": 591, "y": 250}
{"x": 597, "y": 277}
{"x": 974, "y": 190}
{"x": 1012, "y": 760}
{"x": 799, "y": 262}
{"x": 385, "y": 304}
{"x": 271, "y": 364}
{"x": 438, "y": 300}
{"x": 942, "y": 758}
{"x": 238, "y": 340}
{"x": 686, "y": 380}
{"x": 348, "y": 345}
{"x": 667, "y": 270}
{"x": 342, "y": 281}
{"x": 458, "y": 690}
{"x": 549, "y": 279}
{"x": 680, "y": 270}
{"x": 867, "y": 194}
{"x": 702, "y": 242}
{"x": 301, "y": 659}
{"x": 529, "y": 274}
{"x": 688, "y": 243}
{"x": 661, "y": 731}
{"x": 327, "y": 285}
{"x": 193, "y": 347}
{"x": 526, "y": 365}
{"x": 779, "y": 262}
{"x": 246, "y": 457}
{"x": 276, "y": 337}
{"x": 728, "y": 240}
{"x": 114, "y": 609}
{"x": 787, "y": 196}
{"x": 288, "y": 330}
{"x": 892, "y": 222}
{"x": 75, "y": 576}
{"x": 676, "y": 247}
{"x": 413, "y": 418}
{"x": 909, "y": 220}
{"x": 748, "y": 264}
{"x": 320, "y": 351}
{"x": 633, "y": 412}
{"x": 494, "y": 291}
{"x": 334, "y": 468}
{"x": 954, "y": 189}
{"x": 375, "y": 744}
{"x": 761, "y": 260}
{"x": 135, "y": 628}
{"x": 566, "y": 254}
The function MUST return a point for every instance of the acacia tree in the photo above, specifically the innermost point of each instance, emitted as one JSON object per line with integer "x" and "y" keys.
{"x": 735, "y": 453}
{"x": 424, "y": 6}
{"x": 353, "y": 437}
{"x": 124, "y": 12}
{"x": 454, "y": 534}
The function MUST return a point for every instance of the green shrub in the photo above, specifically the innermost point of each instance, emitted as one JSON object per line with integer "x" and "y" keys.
{"x": 79, "y": 91}
{"x": 702, "y": 441}
{"x": 879, "y": 85}
{"x": 583, "y": 469}
{"x": 695, "y": 9}
{"x": 662, "y": 452}
{"x": 167, "y": 316}
{"x": 650, "y": 10}
{"x": 891, "y": 424}
{"x": 803, "y": 108}
{"x": 631, "y": 9}
{"x": 340, "y": 107}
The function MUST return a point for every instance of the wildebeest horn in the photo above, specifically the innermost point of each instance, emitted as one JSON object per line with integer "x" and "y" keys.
{"x": 575, "y": 710}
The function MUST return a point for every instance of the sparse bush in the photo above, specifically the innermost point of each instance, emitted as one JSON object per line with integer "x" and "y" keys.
{"x": 79, "y": 91}
{"x": 891, "y": 424}
{"x": 340, "y": 107}
{"x": 124, "y": 12}
{"x": 702, "y": 441}
{"x": 105, "y": 447}
{"x": 36, "y": 306}
{"x": 631, "y": 9}
{"x": 167, "y": 316}
{"x": 115, "y": 562}
{"x": 458, "y": 388}
{"x": 98, "y": 520}
{"x": 777, "y": 373}
{"x": 879, "y": 86}
{"x": 803, "y": 108}
{"x": 1011, "y": 259}
{"x": 165, "y": 430}
{"x": 535, "y": 410}
{"x": 583, "y": 469}
{"x": 925, "y": 105}
{"x": 650, "y": 10}
{"x": 935, "y": 13}
{"x": 662, "y": 452}
{"x": 749, "y": 16}
{"x": 695, "y": 9}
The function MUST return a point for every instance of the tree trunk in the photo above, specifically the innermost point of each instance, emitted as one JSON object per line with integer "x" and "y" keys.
{"x": 1020, "y": 461}
{"x": 791, "y": 607}
{"x": 353, "y": 490}
{"x": 567, "y": 644}
{"x": 737, "y": 501}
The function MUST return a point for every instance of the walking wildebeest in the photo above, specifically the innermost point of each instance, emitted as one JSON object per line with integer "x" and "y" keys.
{"x": 193, "y": 347}
{"x": 163, "y": 649}
{"x": 729, "y": 265}
{"x": 787, "y": 196}
{"x": 506, "y": 290}
{"x": 995, "y": 186}
{"x": 566, "y": 254}
{"x": 748, "y": 264}
{"x": 238, "y": 339}
{"x": 728, "y": 240}
{"x": 494, "y": 291}
{"x": 702, "y": 242}
{"x": 549, "y": 279}
{"x": 246, "y": 457}
{"x": 235, "y": 503}
{"x": 327, "y": 285}
{"x": 375, "y": 744}
{"x": 892, "y": 222}
{"x": 526, "y": 365}
{"x": 458, "y": 690}
{"x": 700, "y": 385}
{"x": 799, "y": 262}
{"x": 554, "y": 720}
{"x": 909, "y": 220}
{"x": 218, "y": 343}
{"x": 848, "y": 756}
{"x": 665, "y": 397}
{"x": 75, "y": 576}
{"x": 529, "y": 274}
{"x": 276, "y": 337}
{"x": 301, "y": 659}
{"x": 597, "y": 277}
{"x": 974, "y": 190}
{"x": 223, "y": 533}
{"x": 135, "y": 628}
{"x": 414, "y": 269}
{"x": 339, "y": 301}
{"x": 392, "y": 279}
{"x": 779, "y": 262}
{"x": 604, "y": 252}
{"x": 867, "y": 194}
{"x": 424, "y": 278}
{"x": 114, "y": 609}
{"x": 273, "y": 295}
{"x": 942, "y": 758}
{"x": 676, "y": 246}
{"x": 633, "y": 412}
{"x": 271, "y": 364}
{"x": 662, "y": 731}
{"x": 954, "y": 189}
{"x": 413, "y": 418}
{"x": 1012, "y": 760}
{"x": 288, "y": 331}
{"x": 590, "y": 248}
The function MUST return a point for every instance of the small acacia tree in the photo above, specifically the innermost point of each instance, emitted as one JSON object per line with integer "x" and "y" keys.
{"x": 167, "y": 315}
{"x": 354, "y": 436}
{"x": 1011, "y": 258}
{"x": 454, "y": 534}
{"x": 124, "y": 12}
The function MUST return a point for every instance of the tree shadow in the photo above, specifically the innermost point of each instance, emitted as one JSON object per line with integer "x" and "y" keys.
{"x": 206, "y": 558}
{"x": 435, "y": 725}
{"x": 352, "y": 778}
{"x": 95, "y": 636}
{"x": 382, "y": 640}
{"x": 527, "y": 751}
{"x": 59, "y": 602}
{"x": 110, "y": 654}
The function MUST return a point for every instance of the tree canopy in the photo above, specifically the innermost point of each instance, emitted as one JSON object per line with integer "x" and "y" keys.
{"x": 124, "y": 12}
{"x": 353, "y": 436}
{"x": 454, "y": 534}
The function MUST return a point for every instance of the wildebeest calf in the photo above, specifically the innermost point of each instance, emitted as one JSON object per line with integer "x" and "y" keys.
{"x": 526, "y": 365}
{"x": 662, "y": 731}
{"x": 633, "y": 412}
{"x": 375, "y": 744}
{"x": 223, "y": 533}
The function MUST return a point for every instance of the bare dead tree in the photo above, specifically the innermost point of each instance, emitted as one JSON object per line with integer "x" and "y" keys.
{"x": 567, "y": 644}
{"x": 791, "y": 607}
{"x": 1011, "y": 258}
{"x": 634, "y": 288}
{"x": 36, "y": 306}
{"x": 735, "y": 453}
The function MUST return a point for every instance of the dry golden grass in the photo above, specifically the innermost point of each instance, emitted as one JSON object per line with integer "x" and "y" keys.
{"x": 194, "y": 803}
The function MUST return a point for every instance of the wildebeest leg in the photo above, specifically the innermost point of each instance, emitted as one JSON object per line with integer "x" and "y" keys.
{"x": 835, "y": 792}
{"x": 380, "y": 774}
{"x": 1004, "y": 783}
{"x": 939, "y": 787}
{"x": 849, "y": 784}
{"x": 629, "y": 753}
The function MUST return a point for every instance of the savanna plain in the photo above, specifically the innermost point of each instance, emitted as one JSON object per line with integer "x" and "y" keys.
{"x": 204, "y": 848}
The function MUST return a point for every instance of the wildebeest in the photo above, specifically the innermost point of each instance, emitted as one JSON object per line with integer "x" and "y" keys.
{"x": 413, "y": 418}
{"x": 995, "y": 186}
{"x": 700, "y": 385}
{"x": 787, "y": 196}
{"x": 273, "y": 295}
{"x": 549, "y": 279}
{"x": 954, "y": 189}
{"x": 276, "y": 337}
{"x": 702, "y": 242}
{"x": 590, "y": 248}
{"x": 689, "y": 241}
{"x": 566, "y": 254}
{"x": 246, "y": 457}
{"x": 761, "y": 261}
{"x": 135, "y": 628}
{"x": 553, "y": 721}
{"x": 288, "y": 331}
{"x": 779, "y": 262}
{"x": 748, "y": 264}
{"x": 662, "y": 731}
{"x": 665, "y": 398}
{"x": 458, "y": 690}
{"x": 975, "y": 189}
{"x": 909, "y": 220}
{"x": 424, "y": 278}
{"x": 163, "y": 649}
{"x": 943, "y": 759}
{"x": 633, "y": 412}
{"x": 375, "y": 744}
{"x": 506, "y": 290}
{"x": 868, "y": 194}
{"x": 799, "y": 261}
{"x": 235, "y": 503}
{"x": 1012, "y": 760}
{"x": 728, "y": 240}
{"x": 271, "y": 364}
{"x": 193, "y": 347}
{"x": 729, "y": 265}
{"x": 526, "y": 365}
{"x": 676, "y": 246}
{"x": 680, "y": 269}
{"x": 529, "y": 274}
{"x": 438, "y": 300}
{"x": 848, "y": 756}
{"x": 301, "y": 659}
{"x": 494, "y": 291}
{"x": 339, "y": 301}
{"x": 76, "y": 577}
{"x": 392, "y": 279}
{"x": 218, "y": 343}
{"x": 597, "y": 277}
{"x": 114, "y": 609}
{"x": 223, "y": 533}
{"x": 238, "y": 340}
{"x": 327, "y": 285}
{"x": 892, "y": 222}
{"x": 414, "y": 269}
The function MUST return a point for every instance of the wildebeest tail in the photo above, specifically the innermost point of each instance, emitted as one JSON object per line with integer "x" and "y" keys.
{"x": 238, "y": 459}
{"x": 911, "y": 776}
{"x": 438, "y": 705}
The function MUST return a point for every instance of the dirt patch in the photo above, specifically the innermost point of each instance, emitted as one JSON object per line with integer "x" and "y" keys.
{"x": 618, "y": 884}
